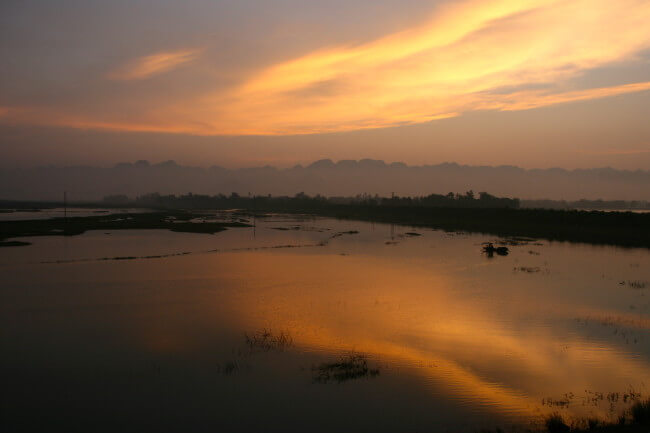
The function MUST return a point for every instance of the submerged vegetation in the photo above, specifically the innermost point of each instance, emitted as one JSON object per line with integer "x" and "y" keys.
{"x": 636, "y": 419}
{"x": 266, "y": 341}
{"x": 346, "y": 369}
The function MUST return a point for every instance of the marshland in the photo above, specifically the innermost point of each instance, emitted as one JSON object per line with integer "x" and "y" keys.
{"x": 248, "y": 321}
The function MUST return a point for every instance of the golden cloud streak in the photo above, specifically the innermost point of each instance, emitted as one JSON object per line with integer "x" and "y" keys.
{"x": 529, "y": 100}
{"x": 154, "y": 64}
{"x": 455, "y": 63}
{"x": 471, "y": 55}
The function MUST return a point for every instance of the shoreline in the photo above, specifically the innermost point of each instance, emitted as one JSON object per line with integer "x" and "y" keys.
{"x": 622, "y": 229}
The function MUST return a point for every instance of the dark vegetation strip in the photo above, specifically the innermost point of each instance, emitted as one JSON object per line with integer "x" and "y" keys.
{"x": 481, "y": 213}
{"x": 174, "y": 220}
{"x": 471, "y": 212}
{"x": 610, "y": 228}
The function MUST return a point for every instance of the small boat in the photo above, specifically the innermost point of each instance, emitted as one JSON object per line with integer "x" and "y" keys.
{"x": 490, "y": 249}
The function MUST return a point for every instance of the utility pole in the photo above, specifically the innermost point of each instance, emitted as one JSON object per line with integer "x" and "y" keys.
{"x": 254, "y": 216}
{"x": 65, "y": 210}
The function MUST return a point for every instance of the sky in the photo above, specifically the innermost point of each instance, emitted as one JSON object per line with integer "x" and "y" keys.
{"x": 533, "y": 83}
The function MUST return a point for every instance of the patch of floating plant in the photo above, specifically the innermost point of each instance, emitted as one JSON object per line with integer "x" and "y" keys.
{"x": 634, "y": 284}
{"x": 530, "y": 269}
{"x": 336, "y": 235}
{"x": 639, "y": 323}
{"x": 408, "y": 235}
{"x": 615, "y": 400}
{"x": 256, "y": 342}
{"x": 518, "y": 241}
{"x": 301, "y": 228}
{"x": 534, "y": 253}
{"x": 266, "y": 341}
{"x": 348, "y": 368}
{"x": 315, "y": 229}
{"x": 204, "y": 220}
{"x": 452, "y": 233}
{"x": 349, "y": 232}
{"x": 630, "y": 330}
{"x": 267, "y": 218}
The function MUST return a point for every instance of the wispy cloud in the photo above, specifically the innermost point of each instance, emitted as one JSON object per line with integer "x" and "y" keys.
{"x": 449, "y": 66}
{"x": 615, "y": 152}
{"x": 147, "y": 66}
{"x": 527, "y": 100}
{"x": 470, "y": 55}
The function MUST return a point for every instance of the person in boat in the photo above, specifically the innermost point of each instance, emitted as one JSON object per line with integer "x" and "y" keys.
{"x": 491, "y": 249}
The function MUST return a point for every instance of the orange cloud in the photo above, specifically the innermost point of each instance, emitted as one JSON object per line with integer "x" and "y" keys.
{"x": 451, "y": 65}
{"x": 460, "y": 60}
{"x": 147, "y": 66}
{"x": 535, "y": 99}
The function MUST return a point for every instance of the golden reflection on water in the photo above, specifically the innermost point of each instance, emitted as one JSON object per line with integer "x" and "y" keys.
{"x": 405, "y": 315}
{"x": 429, "y": 310}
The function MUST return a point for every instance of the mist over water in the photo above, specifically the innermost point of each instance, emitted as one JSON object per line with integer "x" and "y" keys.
{"x": 325, "y": 177}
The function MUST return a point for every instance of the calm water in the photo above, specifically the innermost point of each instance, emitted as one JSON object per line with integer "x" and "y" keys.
{"x": 302, "y": 329}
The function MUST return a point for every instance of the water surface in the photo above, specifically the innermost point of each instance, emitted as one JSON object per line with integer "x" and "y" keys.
{"x": 313, "y": 324}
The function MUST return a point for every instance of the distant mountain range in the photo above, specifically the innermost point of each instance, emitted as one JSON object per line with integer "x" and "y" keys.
{"x": 326, "y": 177}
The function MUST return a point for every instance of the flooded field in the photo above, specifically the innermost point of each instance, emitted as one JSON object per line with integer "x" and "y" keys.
{"x": 58, "y": 212}
{"x": 314, "y": 324}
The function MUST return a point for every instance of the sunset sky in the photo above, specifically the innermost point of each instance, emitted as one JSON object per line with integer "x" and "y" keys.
{"x": 534, "y": 83}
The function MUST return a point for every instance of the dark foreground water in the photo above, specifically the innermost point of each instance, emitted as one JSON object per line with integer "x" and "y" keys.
{"x": 303, "y": 325}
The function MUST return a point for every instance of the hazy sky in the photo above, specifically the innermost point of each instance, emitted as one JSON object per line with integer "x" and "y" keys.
{"x": 535, "y": 83}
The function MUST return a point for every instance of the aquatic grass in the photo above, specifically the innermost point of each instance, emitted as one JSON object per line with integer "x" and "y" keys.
{"x": 635, "y": 284}
{"x": 637, "y": 420}
{"x": 555, "y": 424}
{"x": 641, "y": 412}
{"x": 267, "y": 341}
{"x": 346, "y": 369}
{"x": 527, "y": 269}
